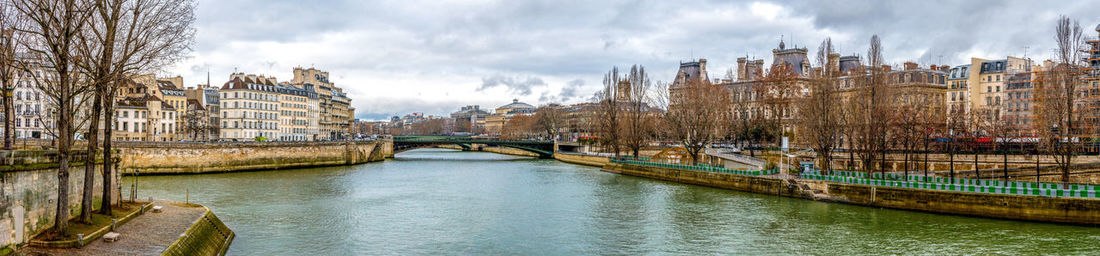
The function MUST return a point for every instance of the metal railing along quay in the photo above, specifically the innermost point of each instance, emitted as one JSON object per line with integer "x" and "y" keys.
{"x": 958, "y": 184}
{"x": 643, "y": 161}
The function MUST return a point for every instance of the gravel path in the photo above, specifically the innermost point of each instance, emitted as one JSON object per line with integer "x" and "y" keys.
{"x": 148, "y": 234}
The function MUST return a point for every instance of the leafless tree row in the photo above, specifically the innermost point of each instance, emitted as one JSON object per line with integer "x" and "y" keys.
{"x": 84, "y": 48}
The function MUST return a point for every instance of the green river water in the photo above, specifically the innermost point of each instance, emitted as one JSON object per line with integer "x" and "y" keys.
{"x": 446, "y": 202}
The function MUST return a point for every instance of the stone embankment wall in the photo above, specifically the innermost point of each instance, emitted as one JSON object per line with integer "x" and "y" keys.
{"x": 508, "y": 151}
{"x": 581, "y": 159}
{"x": 28, "y": 194}
{"x": 1030, "y": 208}
{"x": 182, "y": 158}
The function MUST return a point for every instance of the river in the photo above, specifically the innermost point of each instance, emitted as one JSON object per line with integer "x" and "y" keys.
{"x": 438, "y": 201}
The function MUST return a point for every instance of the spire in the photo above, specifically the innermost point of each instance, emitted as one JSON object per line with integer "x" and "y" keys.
{"x": 781, "y": 44}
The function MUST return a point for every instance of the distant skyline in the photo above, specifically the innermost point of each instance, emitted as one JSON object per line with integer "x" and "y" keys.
{"x": 397, "y": 57}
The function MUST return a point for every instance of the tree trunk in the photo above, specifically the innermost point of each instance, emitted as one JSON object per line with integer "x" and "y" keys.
{"x": 9, "y": 119}
{"x": 951, "y": 156}
{"x": 977, "y": 173}
{"x": 1036, "y": 167}
{"x": 64, "y": 148}
{"x": 926, "y": 167}
{"x": 108, "y": 161}
{"x": 89, "y": 162}
{"x": 851, "y": 155}
{"x": 1005, "y": 163}
{"x": 906, "y": 165}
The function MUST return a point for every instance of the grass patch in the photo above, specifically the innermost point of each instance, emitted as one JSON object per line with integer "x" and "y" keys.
{"x": 98, "y": 222}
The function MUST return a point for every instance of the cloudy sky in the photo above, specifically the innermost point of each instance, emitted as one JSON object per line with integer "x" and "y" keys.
{"x": 396, "y": 57}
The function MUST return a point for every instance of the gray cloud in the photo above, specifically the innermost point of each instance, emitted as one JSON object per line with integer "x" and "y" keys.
{"x": 386, "y": 52}
{"x": 572, "y": 90}
{"x": 518, "y": 85}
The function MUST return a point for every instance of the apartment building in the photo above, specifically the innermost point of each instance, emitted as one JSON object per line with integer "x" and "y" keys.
{"x": 249, "y": 108}
{"x": 298, "y": 112}
{"x": 336, "y": 114}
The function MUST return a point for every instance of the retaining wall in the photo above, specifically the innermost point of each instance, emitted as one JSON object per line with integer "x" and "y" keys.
{"x": 590, "y": 160}
{"x": 178, "y": 158}
{"x": 1018, "y": 207}
{"x": 28, "y": 198}
{"x": 206, "y": 236}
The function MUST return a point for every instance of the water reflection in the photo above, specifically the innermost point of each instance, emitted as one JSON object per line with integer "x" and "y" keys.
{"x": 450, "y": 202}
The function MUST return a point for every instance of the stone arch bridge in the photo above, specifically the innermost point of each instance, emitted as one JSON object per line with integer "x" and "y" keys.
{"x": 545, "y": 149}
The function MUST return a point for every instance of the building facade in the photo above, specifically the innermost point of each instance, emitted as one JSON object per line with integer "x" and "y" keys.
{"x": 209, "y": 98}
{"x": 495, "y": 122}
{"x": 298, "y": 113}
{"x": 336, "y": 114}
{"x": 250, "y": 108}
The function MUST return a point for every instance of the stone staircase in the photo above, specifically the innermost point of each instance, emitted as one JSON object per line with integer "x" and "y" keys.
{"x": 806, "y": 191}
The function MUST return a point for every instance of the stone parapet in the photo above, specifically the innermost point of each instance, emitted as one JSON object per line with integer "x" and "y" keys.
{"x": 182, "y": 158}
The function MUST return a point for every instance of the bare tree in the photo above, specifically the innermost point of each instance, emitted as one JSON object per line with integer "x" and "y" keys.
{"x": 52, "y": 35}
{"x": 126, "y": 37}
{"x": 956, "y": 124}
{"x": 9, "y": 24}
{"x": 608, "y": 113}
{"x": 872, "y": 103}
{"x": 1057, "y": 120}
{"x": 550, "y": 119}
{"x": 196, "y": 124}
{"x": 820, "y": 110}
{"x": 636, "y": 113}
{"x": 696, "y": 114}
{"x": 776, "y": 93}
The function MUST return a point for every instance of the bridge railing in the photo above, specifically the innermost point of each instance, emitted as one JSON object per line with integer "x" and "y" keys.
{"x": 699, "y": 167}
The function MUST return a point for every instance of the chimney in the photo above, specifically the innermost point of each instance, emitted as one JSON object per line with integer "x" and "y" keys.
{"x": 945, "y": 68}
{"x": 702, "y": 67}
{"x": 887, "y": 68}
{"x": 909, "y": 65}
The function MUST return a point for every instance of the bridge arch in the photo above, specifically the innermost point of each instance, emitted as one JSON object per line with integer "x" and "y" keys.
{"x": 544, "y": 149}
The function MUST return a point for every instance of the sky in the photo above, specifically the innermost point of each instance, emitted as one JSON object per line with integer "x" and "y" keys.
{"x": 398, "y": 57}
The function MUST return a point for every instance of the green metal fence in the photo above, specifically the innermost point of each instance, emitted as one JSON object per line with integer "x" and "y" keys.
{"x": 961, "y": 181}
{"x": 970, "y": 185}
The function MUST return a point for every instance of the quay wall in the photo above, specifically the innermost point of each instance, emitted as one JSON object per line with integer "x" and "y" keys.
{"x": 28, "y": 194}
{"x": 1029, "y": 208}
{"x": 206, "y": 236}
{"x": 589, "y": 160}
{"x": 186, "y": 158}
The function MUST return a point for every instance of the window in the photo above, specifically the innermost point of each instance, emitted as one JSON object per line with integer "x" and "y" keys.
{"x": 998, "y": 78}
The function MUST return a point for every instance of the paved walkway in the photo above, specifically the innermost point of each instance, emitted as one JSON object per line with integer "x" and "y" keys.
{"x": 148, "y": 234}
